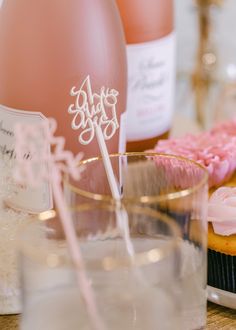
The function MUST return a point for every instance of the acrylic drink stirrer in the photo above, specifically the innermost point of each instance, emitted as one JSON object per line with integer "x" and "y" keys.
{"x": 42, "y": 164}
{"x": 91, "y": 112}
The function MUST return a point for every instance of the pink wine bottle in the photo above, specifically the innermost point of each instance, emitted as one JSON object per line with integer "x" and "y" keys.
{"x": 49, "y": 47}
{"x": 149, "y": 30}
{"x": 63, "y": 59}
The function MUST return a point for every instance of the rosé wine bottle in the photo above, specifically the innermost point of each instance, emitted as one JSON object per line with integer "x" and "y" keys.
{"x": 64, "y": 59}
{"x": 49, "y": 47}
{"x": 149, "y": 29}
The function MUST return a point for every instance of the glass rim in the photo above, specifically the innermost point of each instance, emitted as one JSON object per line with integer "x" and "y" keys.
{"x": 146, "y": 199}
{"x": 108, "y": 263}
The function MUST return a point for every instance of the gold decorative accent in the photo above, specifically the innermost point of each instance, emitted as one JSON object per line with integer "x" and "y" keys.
{"x": 206, "y": 59}
{"x": 134, "y": 156}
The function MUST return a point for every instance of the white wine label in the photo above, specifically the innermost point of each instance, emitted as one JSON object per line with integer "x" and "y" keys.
{"x": 151, "y": 80}
{"x": 21, "y": 197}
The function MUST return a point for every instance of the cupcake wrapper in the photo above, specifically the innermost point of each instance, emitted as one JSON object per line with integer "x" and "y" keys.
{"x": 222, "y": 271}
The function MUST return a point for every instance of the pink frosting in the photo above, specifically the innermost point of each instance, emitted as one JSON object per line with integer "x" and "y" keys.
{"x": 222, "y": 211}
{"x": 178, "y": 173}
{"x": 227, "y": 128}
{"x": 217, "y": 152}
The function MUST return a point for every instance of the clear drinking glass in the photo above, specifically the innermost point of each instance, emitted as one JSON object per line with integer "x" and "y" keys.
{"x": 173, "y": 185}
{"x": 137, "y": 292}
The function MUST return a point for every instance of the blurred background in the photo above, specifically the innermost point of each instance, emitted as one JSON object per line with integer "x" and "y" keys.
{"x": 206, "y": 62}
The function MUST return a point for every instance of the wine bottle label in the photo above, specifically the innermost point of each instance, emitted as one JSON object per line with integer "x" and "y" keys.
{"x": 151, "y": 78}
{"x": 21, "y": 197}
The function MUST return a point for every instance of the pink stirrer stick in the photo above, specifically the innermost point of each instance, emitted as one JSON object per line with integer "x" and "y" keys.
{"x": 45, "y": 165}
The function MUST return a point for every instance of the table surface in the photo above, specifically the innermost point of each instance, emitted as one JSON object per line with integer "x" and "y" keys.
{"x": 219, "y": 318}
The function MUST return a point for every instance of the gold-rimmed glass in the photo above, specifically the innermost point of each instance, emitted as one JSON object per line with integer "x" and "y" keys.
{"x": 131, "y": 293}
{"x": 173, "y": 185}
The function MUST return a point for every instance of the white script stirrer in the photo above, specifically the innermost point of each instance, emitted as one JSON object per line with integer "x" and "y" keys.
{"x": 90, "y": 114}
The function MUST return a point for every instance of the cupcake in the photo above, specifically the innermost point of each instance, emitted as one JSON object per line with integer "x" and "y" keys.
{"x": 222, "y": 239}
{"x": 216, "y": 150}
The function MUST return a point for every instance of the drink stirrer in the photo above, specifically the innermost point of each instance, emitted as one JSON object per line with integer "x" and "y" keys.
{"x": 96, "y": 110}
{"x": 43, "y": 164}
